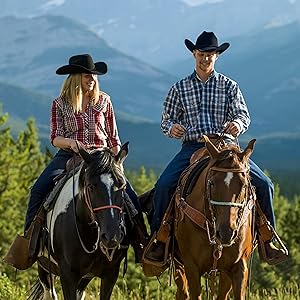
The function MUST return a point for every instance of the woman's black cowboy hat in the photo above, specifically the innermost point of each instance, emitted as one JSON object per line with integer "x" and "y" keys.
{"x": 82, "y": 63}
{"x": 206, "y": 41}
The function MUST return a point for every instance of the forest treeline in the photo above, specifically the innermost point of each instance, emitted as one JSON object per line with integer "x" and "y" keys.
{"x": 21, "y": 161}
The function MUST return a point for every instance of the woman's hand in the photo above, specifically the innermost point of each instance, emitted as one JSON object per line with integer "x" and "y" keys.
{"x": 73, "y": 145}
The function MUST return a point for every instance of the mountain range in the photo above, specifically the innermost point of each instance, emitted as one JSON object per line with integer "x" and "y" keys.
{"x": 154, "y": 30}
{"x": 263, "y": 62}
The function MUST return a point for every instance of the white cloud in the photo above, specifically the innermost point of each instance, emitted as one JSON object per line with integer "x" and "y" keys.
{"x": 52, "y": 4}
{"x": 200, "y": 2}
{"x": 278, "y": 21}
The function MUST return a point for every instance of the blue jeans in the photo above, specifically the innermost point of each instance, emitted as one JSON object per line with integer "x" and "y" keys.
{"x": 168, "y": 180}
{"x": 45, "y": 183}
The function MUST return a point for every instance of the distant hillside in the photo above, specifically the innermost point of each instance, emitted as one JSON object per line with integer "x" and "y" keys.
{"x": 35, "y": 47}
{"x": 154, "y": 31}
{"x": 150, "y": 148}
{"x": 265, "y": 65}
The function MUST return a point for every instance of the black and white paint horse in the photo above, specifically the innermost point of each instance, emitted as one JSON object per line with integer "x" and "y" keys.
{"x": 85, "y": 229}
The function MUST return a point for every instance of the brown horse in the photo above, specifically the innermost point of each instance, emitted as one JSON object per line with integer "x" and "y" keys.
{"x": 214, "y": 224}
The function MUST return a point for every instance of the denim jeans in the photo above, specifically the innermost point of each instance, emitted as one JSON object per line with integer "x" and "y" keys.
{"x": 167, "y": 182}
{"x": 45, "y": 183}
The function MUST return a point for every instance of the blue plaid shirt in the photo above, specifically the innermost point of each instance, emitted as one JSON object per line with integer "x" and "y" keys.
{"x": 204, "y": 107}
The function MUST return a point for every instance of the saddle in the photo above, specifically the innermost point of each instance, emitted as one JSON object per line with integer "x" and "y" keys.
{"x": 165, "y": 233}
{"x": 23, "y": 252}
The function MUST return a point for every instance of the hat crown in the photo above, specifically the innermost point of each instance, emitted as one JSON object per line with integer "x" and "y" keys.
{"x": 206, "y": 39}
{"x": 83, "y": 60}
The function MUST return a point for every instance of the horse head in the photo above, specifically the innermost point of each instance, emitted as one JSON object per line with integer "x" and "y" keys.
{"x": 101, "y": 190}
{"x": 228, "y": 189}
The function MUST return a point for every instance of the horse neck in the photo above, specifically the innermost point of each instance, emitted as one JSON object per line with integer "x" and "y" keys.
{"x": 197, "y": 198}
{"x": 82, "y": 211}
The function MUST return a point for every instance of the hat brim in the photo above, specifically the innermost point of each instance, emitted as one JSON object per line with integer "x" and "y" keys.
{"x": 191, "y": 46}
{"x": 100, "y": 69}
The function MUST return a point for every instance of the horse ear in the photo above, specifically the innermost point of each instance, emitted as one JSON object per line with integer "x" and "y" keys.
{"x": 84, "y": 154}
{"x": 248, "y": 150}
{"x": 213, "y": 151}
{"x": 120, "y": 157}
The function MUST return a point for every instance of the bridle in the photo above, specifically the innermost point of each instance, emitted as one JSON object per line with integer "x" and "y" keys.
{"x": 244, "y": 201}
{"x": 94, "y": 224}
{"x": 94, "y": 210}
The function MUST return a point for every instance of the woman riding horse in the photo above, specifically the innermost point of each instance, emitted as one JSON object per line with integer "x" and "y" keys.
{"x": 81, "y": 115}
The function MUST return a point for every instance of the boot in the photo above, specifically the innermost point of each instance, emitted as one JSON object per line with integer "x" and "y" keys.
{"x": 23, "y": 252}
{"x": 138, "y": 237}
{"x": 157, "y": 251}
{"x": 273, "y": 254}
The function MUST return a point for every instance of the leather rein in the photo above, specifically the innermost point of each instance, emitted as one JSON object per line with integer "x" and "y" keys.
{"x": 92, "y": 211}
{"x": 200, "y": 219}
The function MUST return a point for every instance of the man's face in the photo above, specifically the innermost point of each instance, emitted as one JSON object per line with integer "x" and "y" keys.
{"x": 205, "y": 61}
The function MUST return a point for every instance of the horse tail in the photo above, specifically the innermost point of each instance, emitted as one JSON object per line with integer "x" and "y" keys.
{"x": 36, "y": 292}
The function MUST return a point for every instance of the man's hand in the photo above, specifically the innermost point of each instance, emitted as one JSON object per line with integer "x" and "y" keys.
{"x": 232, "y": 128}
{"x": 177, "y": 131}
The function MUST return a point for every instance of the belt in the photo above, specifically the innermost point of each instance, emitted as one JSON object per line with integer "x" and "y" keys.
{"x": 210, "y": 136}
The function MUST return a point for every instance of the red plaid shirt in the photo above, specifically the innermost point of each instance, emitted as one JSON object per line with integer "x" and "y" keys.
{"x": 95, "y": 128}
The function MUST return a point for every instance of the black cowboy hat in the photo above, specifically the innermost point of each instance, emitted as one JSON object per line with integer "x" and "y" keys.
{"x": 206, "y": 41}
{"x": 82, "y": 63}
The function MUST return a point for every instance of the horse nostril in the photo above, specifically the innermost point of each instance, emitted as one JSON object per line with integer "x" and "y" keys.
{"x": 104, "y": 238}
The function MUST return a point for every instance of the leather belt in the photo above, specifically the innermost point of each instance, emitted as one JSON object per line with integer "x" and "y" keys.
{"x": 210, "y": 136}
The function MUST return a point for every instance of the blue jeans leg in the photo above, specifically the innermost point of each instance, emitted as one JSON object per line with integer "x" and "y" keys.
{"x": 133, "y": 196}
{"x": 44, "y": 184}
{"x": 264, "y": 191}
{"x": 168, "y": 180}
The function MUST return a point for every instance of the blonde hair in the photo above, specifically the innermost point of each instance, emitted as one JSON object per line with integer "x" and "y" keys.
{"x": 71, "y": 91}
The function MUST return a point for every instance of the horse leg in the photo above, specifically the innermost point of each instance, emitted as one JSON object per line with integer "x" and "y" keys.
{"x": 239, "y": 279}
{"x": 224, "y": 286}
{"x": 182, "y": 292}
{"x": 193, "y": 278}
{"x": 69, "y": 282}
{"x": 47, "y": 282}
{"x": 108, "y": 282}
{"x": 81, "y": 288}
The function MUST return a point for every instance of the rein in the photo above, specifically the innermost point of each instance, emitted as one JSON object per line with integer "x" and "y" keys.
{"x": 244, "y": 205}
{"x": 87, "y": 200}
{"x": 95, "y": 246}
{"x": 201, "y": 220}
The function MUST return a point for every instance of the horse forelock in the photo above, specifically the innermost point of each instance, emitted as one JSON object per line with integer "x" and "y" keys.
{"x": 104, "y": 162}
{"x": 229, "y": 157}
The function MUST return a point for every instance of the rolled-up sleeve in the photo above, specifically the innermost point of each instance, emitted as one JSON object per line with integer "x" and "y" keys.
{"x": 111, "y": 126}
{"x": 56, "y": 122}
{"x": 172, "y": 110}
{"x": 238, "y": 111}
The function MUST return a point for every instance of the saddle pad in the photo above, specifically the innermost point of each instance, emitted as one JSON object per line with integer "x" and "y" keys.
{"x": 193, "y": 176}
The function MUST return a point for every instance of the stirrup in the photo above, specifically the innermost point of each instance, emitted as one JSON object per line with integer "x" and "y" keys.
{"x": 262, "y": 251}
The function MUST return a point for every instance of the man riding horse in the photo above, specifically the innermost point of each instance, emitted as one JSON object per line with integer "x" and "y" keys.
{"x": 207, "y": 103}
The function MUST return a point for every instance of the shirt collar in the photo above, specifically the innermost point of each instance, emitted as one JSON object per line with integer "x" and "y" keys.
{"x": 194, "y": 75}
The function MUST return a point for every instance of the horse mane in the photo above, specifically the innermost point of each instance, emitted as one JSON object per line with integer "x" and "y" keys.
{"x": 104, "y": 162}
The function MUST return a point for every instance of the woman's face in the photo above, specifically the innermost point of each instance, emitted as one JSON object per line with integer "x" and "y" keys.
{"x": 88, "y": 82}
